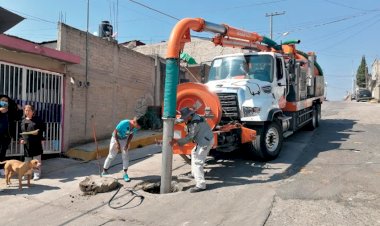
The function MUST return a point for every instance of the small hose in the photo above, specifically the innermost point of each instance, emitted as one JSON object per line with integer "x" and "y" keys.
{"x": 133, "y": 192}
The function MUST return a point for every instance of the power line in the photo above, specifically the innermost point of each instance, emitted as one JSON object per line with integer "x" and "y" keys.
{"x": 158, "y": 11}
{"x": 346, "y": 6}
{"x": 242, "y": 6}
{"x": 350, "y": 36}
{"x": 31, "y": 17}
{"x": 308, "y": 27}
{"x": 141, "y": 13}
{"x": 342, "y": 31}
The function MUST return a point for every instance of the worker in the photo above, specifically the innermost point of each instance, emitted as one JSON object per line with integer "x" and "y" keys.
{"x": 201, "y": 134}
{"x": 120, "y": 142}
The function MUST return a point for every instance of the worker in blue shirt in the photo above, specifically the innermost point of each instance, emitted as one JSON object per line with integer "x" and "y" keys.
{"x": 120, "y": 142}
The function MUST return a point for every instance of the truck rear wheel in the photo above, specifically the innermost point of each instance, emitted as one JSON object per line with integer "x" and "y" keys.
{"x": 319, "y": 114}
{"x": 268, "y": 142}
{"x": 316, "y": 116}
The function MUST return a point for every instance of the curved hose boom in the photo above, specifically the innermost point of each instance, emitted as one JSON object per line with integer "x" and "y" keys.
{"x": 225, "y": 35}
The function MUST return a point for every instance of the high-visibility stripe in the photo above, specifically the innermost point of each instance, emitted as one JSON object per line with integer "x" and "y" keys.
{"x": 299, "y": 105}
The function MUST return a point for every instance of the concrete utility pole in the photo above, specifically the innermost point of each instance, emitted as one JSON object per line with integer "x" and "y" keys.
{"x": 271, "y": 15}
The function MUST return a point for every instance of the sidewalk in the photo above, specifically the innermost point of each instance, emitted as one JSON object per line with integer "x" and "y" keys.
{"x": 87, "y": 152}
{"x": 55, "y": 199}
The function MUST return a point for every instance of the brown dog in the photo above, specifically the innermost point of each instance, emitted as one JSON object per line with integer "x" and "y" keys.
{"x": 21, "y": 168}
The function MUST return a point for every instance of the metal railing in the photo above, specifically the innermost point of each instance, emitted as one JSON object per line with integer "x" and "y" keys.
{"x": 40, "y": 88}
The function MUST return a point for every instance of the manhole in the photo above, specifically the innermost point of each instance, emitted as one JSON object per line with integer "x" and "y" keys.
{"x": 154, "y": 187}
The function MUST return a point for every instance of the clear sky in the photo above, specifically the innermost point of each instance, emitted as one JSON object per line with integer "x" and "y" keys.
{"x": 339, "y": 31}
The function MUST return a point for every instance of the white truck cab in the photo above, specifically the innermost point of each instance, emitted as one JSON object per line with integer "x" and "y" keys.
{"x": 253, "y": 89}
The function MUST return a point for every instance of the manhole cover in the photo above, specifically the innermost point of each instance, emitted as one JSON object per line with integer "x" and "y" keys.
{"x": 154, "y": 187}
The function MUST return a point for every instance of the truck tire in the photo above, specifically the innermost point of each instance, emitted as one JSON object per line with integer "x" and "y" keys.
{"x": 268, "y": 142}
{"x": 314, "y": 122}
{"x": 319, "y": 114}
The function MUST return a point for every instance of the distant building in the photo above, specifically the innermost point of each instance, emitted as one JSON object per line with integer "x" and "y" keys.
{"x": 132, "y": 44}
{"x": 375, "y": 79}
{"x": 201, "y": 50}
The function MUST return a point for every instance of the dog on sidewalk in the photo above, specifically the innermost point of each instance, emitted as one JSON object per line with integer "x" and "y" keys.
{"x": 21, "y": 168}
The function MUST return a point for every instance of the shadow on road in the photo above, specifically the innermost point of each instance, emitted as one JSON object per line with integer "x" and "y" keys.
{"x": 32, "y": 190}
{"x": 232, "y": 169}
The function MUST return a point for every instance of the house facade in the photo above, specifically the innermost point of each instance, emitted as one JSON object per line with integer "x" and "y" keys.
{"x": 110, "y": 83}
{"x": 375, "y": 79}
{"x": 80, "y": 84}
{"x": 31, "y": 73}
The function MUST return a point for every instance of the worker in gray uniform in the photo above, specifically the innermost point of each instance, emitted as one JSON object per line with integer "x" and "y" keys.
{"x": 201, "y": 134}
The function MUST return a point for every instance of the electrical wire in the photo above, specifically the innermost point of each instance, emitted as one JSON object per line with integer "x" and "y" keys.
{"x": 217, "y": 10}
{"x": 158, "y": 11}
{"x": 342, "y": 31}
{"x": 139, "y": 13}
{"x": 31, "y": 17}
{"x": 338, "y": 20}
{"x": 352, "y": 35}
{"x": 349, "y": 7}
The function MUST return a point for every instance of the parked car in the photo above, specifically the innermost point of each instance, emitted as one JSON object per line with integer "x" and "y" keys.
{"x": 363, "y": 95}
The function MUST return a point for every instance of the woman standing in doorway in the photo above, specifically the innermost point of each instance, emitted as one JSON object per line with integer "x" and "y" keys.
{"x": 9, "y": 114}
{"x": 32, "y": 128}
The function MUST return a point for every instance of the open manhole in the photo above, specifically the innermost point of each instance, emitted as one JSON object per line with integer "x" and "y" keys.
{"x": 154, "y": 187}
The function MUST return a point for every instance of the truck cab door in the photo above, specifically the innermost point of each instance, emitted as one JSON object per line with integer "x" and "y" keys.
{"x": 280, "y": 84}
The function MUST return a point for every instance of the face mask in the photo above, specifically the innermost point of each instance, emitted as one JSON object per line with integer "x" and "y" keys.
{"x": 3, "y": 103}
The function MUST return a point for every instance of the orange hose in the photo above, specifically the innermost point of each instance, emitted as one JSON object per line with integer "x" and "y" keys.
{"x": 181, "y": 34}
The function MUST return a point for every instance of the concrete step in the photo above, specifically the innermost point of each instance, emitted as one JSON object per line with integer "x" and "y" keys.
{"x": 89, "y": 151}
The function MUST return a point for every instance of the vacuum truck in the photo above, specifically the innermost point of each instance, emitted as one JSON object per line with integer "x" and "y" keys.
{"x": 253, "y": 100}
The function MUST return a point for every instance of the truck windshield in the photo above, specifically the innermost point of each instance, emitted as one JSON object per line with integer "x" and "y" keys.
{"x": 242, "y": 67}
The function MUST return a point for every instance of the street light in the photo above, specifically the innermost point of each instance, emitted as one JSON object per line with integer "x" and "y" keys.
{"x": 282, "y": 35}
{"x": 271, "y": 15}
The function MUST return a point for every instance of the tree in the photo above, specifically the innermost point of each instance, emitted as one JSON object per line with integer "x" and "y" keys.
{"x": 361, "y": 73}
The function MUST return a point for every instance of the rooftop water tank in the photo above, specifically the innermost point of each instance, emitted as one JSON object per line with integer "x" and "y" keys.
{"x": 105, "y": 29}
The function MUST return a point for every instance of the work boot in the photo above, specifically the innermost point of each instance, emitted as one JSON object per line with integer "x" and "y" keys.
{"x": 196, "y": 189}
{"x": 36, "y": 176}
{"x": 105, "y": 173}
{"x": 186, "y": 176}
{"x": 126, "y": 178}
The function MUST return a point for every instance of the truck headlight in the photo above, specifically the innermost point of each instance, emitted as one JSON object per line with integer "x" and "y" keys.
{"x": 251, "y": 111}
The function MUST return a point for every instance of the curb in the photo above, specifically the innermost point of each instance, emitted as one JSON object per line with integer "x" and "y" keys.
{"x": 81, "y": 154}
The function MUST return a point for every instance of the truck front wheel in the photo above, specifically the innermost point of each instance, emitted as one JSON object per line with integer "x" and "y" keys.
{"x": 268, "y": 142}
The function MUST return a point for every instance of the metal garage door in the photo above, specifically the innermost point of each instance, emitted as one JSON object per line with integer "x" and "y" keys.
{"x": 43, "y": 89}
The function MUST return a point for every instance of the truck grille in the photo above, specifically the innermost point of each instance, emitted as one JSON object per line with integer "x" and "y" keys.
{"x": 230, "y": 107}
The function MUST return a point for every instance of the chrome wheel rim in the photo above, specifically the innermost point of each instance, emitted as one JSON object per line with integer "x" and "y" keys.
{"x": 272, "y": 139}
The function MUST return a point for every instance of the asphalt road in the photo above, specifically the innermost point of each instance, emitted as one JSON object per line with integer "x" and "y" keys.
{"x": 328, "y": 176}
{"x": 335, "y": 180}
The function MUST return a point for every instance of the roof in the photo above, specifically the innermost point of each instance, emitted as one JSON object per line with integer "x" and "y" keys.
{"x": 21, "y": 45}
{"x": 8, "y": 20}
